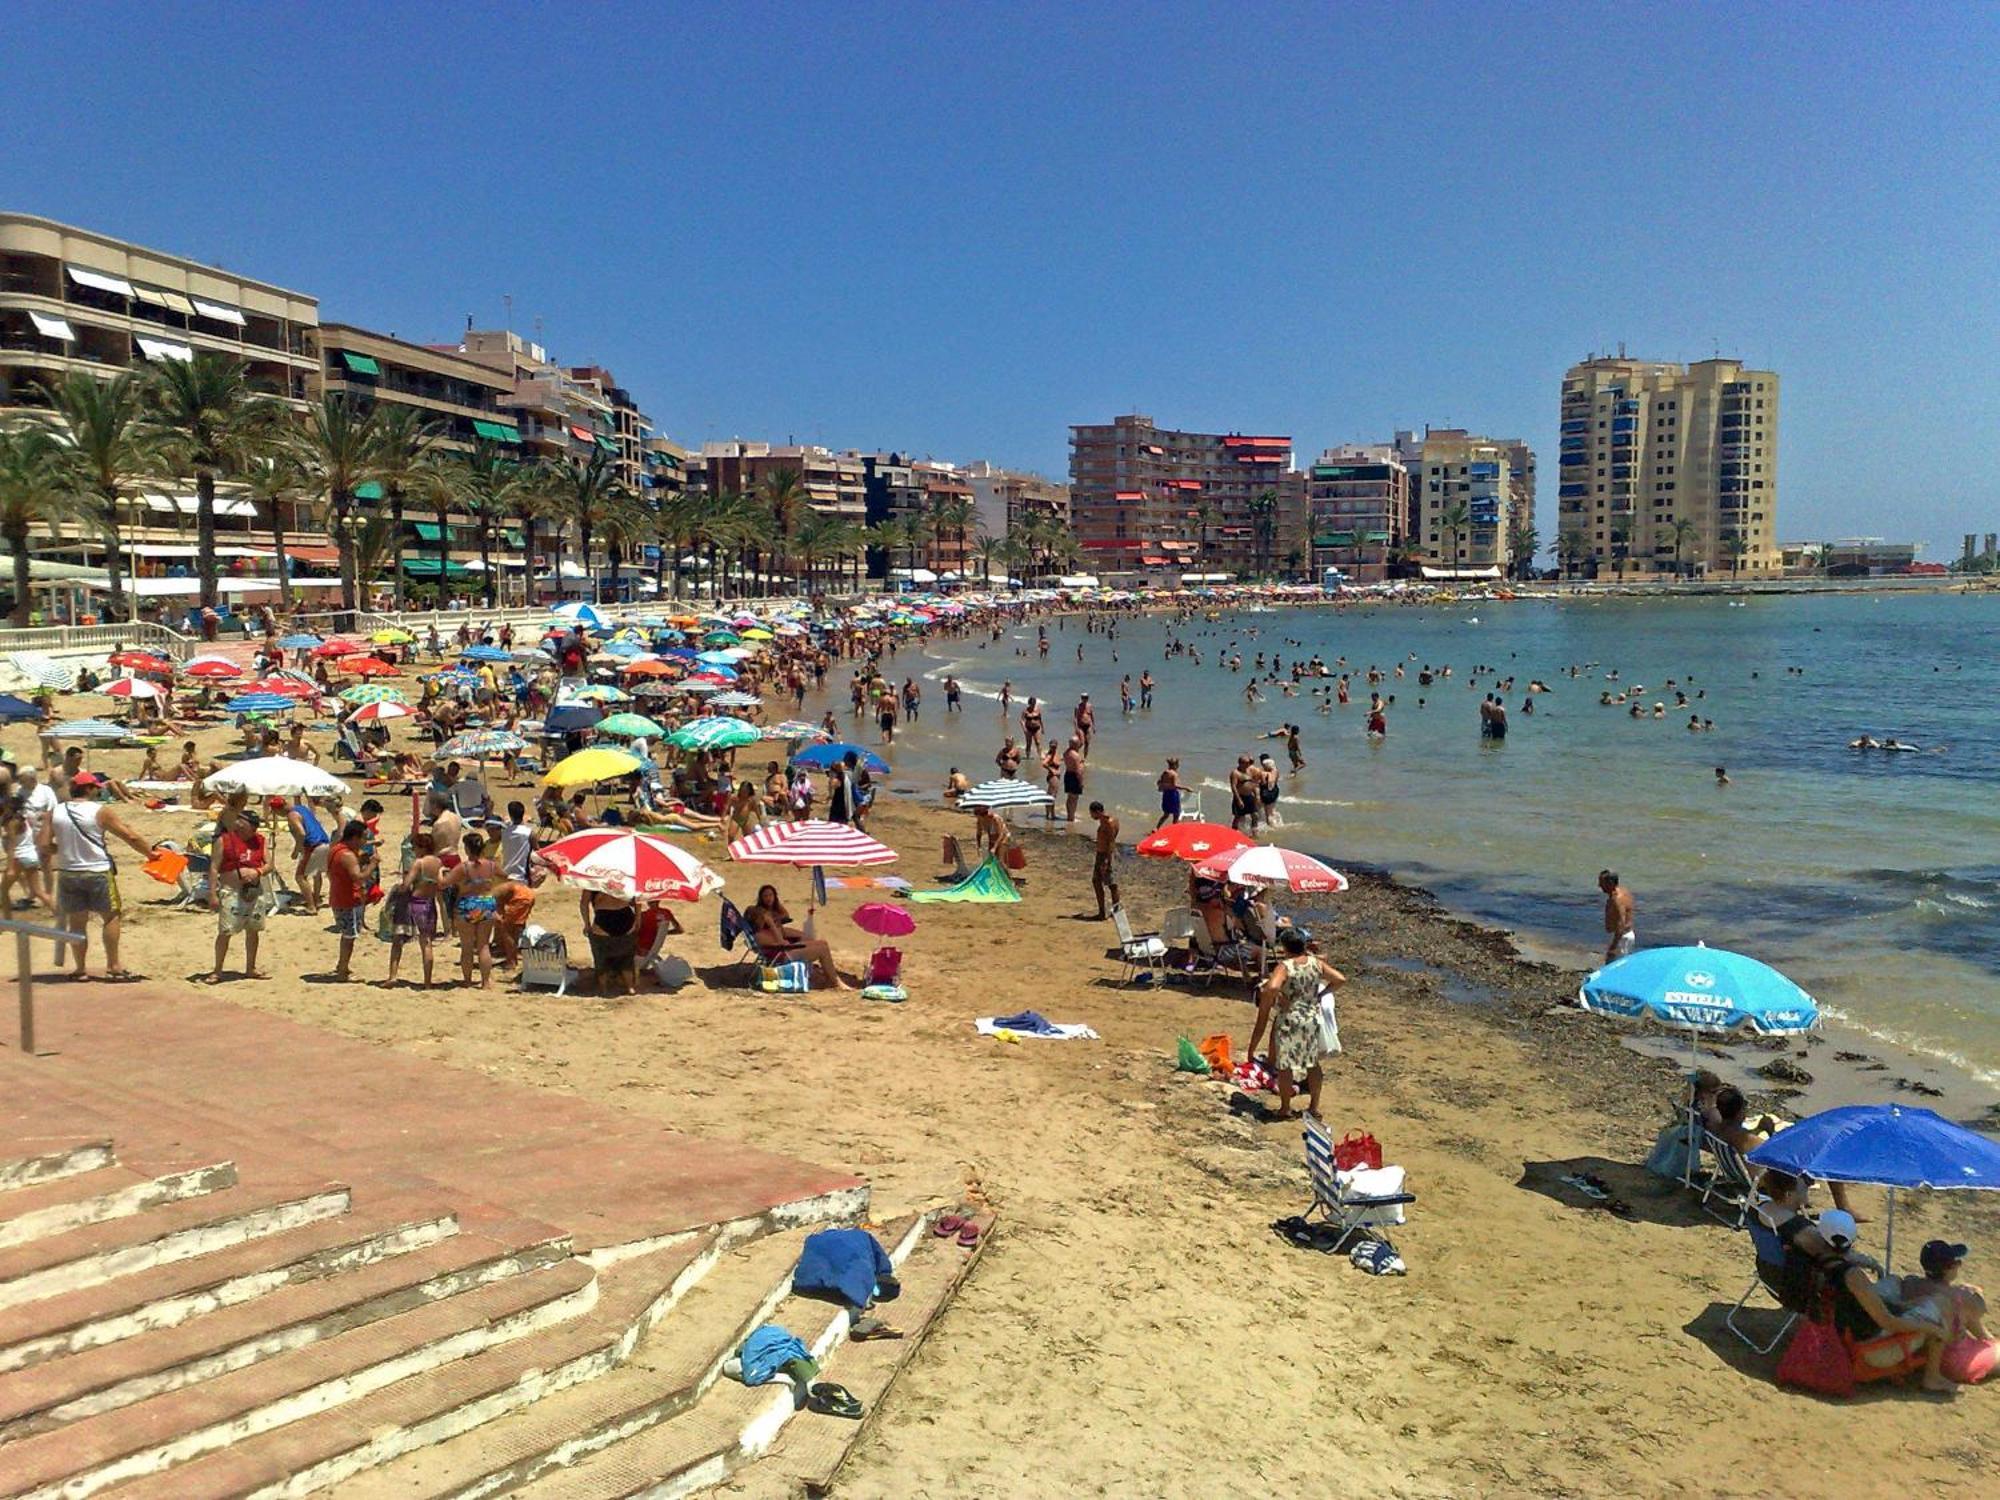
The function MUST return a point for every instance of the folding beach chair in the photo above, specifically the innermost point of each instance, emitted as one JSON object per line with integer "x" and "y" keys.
{"x": 1231, "y": 958}
{"x": 545, "y": 961}
{"x": 1770, "y": 1268}
{"x": 1357, "y": 1202}
{"x": 1140, "y": 950}
{"x": 1177, "y": 925}
{"x": 1731, "y": 1186}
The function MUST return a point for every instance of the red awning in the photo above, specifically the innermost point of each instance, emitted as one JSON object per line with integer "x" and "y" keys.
{"x": 582, "y": 432}
{"x": 1129, "y": 495}
{"x": 313, "y": 554}
{"x": 1239, "y": 440}
{"x": 1154, "y": 562}
{"x": 1187, "y": 484}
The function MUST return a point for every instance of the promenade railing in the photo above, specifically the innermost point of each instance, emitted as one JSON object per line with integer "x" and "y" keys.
{"x": 25, "y": 980}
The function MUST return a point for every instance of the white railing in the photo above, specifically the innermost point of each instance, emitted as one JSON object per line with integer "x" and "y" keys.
{"x": 86, "y": 640}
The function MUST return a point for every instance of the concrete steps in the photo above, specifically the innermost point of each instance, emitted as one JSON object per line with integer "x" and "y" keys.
{"x": 46, "y": 1166}
{"x": 111, "y": 1192}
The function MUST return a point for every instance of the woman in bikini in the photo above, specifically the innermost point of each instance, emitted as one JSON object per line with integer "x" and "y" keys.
{"x": 414, "y": 905}
{"x": 470, "y": 887}
{"x": 777, "y": 939}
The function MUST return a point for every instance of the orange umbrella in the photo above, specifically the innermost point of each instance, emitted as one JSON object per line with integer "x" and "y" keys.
{"x": 649, "y": 669}
{"x": 368, "y": 666}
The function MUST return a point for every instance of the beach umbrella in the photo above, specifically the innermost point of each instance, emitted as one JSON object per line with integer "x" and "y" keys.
{"x": 276, "y": 776}
{"x": 131, "y": 687}
{"x": 623, "y": 646}
{"x": 371, "y": 692}
{"x": 826, "y": 757}
{"x": 736, "y": 700}
{"x": 368, "y": 666}
{"x": 628, "y": 725}
{"x": 714, "y": 734}
{"x": 721, "y": 638}
{"x": 880, "y": 919}
{"x": 382, "y": 711}
{"x": 588, "y": 767}
{"x": 13, "y": 710}
{"x": 811, "y": 841}
{"x": 139, "y": 661}
{"x": 86, "y": 729}
{"x": 1267, "y": 864}
{"x": 1192, "y": 842}
{"x": 480, "y": 744}
{"x": 794, "y": 729}
{"x": 756, "y": 633}
{"x": 625, "y": 862}
{"x": 597, "y": 692}
{"x": 305, "y": 640}
{"x": 649, "y": 667}
{"x": 260, "y": 703}
{"x": 1893, "y": 1145}
{"x": 586, "y": 615}
{"x": 1005, "y": 791}
{"x": 696, "y": 685}
{"x": 565, "y": 718}
{"x": 486, "y": 653}
{"x": 389, "y": 637}
{"x": 42, "y": 671}
{"x": 211, "y": 669}
{"x": 336, "y": 647}
{"x": 655, "y": 690}
{"x": 1700, "y": 989}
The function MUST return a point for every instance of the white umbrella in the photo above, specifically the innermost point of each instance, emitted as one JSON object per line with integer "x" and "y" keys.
{"x": 45, "y": 672}
{"x": 1005, "y": 791}
{"x": 276, "y": 776}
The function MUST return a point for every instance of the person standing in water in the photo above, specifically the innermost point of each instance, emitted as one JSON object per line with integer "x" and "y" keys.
{"x": 1619, "y": 909}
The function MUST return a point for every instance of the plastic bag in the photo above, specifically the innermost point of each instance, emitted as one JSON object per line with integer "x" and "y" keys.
{"x": 1816, "y": 1360}
{"x": 1216, "y": 1050}
{"x": 1190, "y": 1059}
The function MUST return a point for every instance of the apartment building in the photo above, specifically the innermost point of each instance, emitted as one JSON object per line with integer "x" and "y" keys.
{"x": 1358, "y": 502}
{"x": 1669, "y": 466}
{"x": 1005, "y": 499}
{"x": 835, "y": 483}
{"x": 559, "y": 417}
{"x": 629, "y": 427}
{"x": 1490, "y": 481}
{"x": 1149, "y": 499}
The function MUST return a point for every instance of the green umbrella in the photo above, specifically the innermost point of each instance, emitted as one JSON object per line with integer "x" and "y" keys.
{"x": 630, "y": 726}
{"x": 372, "y": 692}
{"x": 714, "y": 734}
{"x": 722, "y": 638}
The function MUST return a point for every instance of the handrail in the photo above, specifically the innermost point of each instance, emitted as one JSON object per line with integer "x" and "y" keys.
{"x": 85, "y": 639}
{"x": 26, "y": 978}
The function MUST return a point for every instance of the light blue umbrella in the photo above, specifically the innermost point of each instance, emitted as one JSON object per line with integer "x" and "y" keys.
{"x": 86, "y": 729}
{"x": 486, "y": 653}
{"x": 260, "y": 703}
{"x": 825, "y": 757}
{"x": 1700, "y": 989}
{"x": 1895, "y": 1145}
{"x": 304, "y": 641}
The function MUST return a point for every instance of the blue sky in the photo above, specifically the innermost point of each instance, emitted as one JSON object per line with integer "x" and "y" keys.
{"x": 956, "y": 229}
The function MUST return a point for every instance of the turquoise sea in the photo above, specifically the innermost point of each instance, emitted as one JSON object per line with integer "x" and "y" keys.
{"x": 1872, "y": 878}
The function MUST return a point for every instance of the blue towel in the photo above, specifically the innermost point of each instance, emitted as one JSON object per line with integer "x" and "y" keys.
{"x": 1031, "y": 1021}
{"x": 845, "y": 1262}
{"x": 766, "y": 1352}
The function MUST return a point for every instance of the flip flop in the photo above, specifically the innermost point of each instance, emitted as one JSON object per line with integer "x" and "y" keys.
{"x": 866, "y": 1329}
{"x": 1584, "y": 1186}
{"x": 831, "y": 1400}
{"x": 1593, "y": 1180}
{"x": 947, "y": 1226}
{"x": 968, "y": 1234}
{"x": 1294, "y": 1231}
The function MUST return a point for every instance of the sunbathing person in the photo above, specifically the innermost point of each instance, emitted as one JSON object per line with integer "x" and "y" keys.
{"x": 1963, "y": 1308}
{"x": 1885, "y": 1340}
{"x": 777, "y": 939}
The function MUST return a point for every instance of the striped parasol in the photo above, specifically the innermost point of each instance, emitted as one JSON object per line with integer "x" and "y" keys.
{"x": 377, "y": 713}
{"x": 1267, "y": 864}
{"x": 629, "y": 726}
{"x": 810, "y": 842}
{"x": 795, "y": 729}
{"x": 43, "y": 671}
{"x": 86, "y": 729}
{"x": 655, "y": 690}
{"x": 480, "y": 744}
{"x": 130, "y": 687}
{"x": 372, "y": 692}
{"x": 1002, "y": 792}
{"x": 260, "y": 703}
{"x": 736, "y": 700}
{"x": 714, "y": 734}
{"x": 624, "y": 862}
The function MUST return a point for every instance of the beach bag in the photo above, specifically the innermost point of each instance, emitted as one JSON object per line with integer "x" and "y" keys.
{"x": 1188, "y": 1058}
{"x": 1214, "y": 1051}
{"x": 884, "y": 964}
{"x": 1969, "y": 1360}
{"x": 1676, "y": 1152}
{"x": 1329, "y": 1025}
{"x": 1357, "y": 1151}
{"x": 790, "y": 978}
{"x": 1816, "y": 1360}
{"x": 1014, "y": 857}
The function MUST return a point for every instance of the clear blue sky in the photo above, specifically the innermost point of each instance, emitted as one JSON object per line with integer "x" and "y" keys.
{"x": 956, "y": 229}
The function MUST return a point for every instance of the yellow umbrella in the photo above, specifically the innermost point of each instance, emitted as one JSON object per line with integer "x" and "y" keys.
{"x": 588, "y": 767}
{"x": 757, "y": 633}
{"x": 392, "y": 637}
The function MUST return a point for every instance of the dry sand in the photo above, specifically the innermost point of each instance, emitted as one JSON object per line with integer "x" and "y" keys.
{"x": 1136, "y": 1328}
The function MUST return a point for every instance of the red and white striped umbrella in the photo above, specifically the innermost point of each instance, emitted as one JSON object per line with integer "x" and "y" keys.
{"x": 130, "y": 687}
{"x": 371, "y": 713}
{"x": 287, "y": 686}
{"x": 810, "y": 842}
{"x": 1267, "y": 864}
{"x": 212, "y": 667}
{"x": 624, "y": 862}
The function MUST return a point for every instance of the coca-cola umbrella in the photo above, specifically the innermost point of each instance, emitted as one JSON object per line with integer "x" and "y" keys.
{"x": 625, "y": 862}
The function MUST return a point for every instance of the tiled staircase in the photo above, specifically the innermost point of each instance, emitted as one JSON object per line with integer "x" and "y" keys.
{"x": 187, "y": 1321}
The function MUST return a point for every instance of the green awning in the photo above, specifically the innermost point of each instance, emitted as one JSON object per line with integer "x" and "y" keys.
{"x": 1334, "y": 539}
{"x": 360, "y": 364}
{"x": 427, "y": 531}
{"x": 372, "y": 490}
{"x": 499, "y": 432}
{"x": 606, "y": 444}
{"x": 1375, "y": 538}
{"x": 514, "y": 539}
{"x": 427, "y": 567}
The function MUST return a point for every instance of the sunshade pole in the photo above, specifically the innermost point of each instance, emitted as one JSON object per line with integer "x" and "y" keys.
{"x": 1889, "y": 1235}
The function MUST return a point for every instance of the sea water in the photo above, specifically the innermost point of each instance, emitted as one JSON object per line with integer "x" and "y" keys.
{"x": 1873, "y": 878}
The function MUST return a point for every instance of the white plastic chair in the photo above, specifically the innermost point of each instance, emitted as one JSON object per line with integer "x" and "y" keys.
{"x": 545, "y": 961}
{"x": 1140, "y": 950}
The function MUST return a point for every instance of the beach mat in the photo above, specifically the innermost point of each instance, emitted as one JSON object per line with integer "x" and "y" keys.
{"x": 990, "y": 882}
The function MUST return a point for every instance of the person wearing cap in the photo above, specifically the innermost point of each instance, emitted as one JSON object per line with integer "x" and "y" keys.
{"x": 241, "y": 894}
{"x": 86, "y": 877}
{"x": 1962, "y": 1307}
{"x": 1886, "y": 1342}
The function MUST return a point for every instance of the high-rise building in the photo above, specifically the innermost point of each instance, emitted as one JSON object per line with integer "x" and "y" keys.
{"x": 1005, "y": 499}
{"x": 834, "y": 483}
{"x": 1667, "y": 466}
{"x": 1145, "y": 498}
{"x": 1486, "y": 484}
{"x": 1358, "y": 505}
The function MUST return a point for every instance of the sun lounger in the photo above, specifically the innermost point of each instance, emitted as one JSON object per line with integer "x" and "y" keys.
{"x": 1356, "y": 1202}
{"x": 1730, "y": 1188}
{"x": 1140, "y": 950}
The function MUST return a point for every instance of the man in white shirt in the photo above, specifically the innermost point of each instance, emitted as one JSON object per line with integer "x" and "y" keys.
{"x": 31, "y": 853}
{"x": 87, "y": 879}
{"x": 517, "y": 842}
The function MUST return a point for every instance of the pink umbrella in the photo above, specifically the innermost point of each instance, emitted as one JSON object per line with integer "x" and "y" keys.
{"x": 880, "y": 919}
{"x": 1267, "y": 864}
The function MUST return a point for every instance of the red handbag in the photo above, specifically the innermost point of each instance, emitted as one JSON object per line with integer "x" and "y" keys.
{"x": 1817, "y": 1360}
{"x": 1357, "y": 1150}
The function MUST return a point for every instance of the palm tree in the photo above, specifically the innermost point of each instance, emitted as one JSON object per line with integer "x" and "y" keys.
{"x": 203, "y": 414}
{"x": 1523, "y": 541}
{"x": 1456, "y": 518}
{"x": 404, "y": 438}
{"x": 584, "y": 490}
{"x": 437, "y": 483}
{"x": 1572, "y": 547}
{"x": 1678, "y": 533}
{"x": 35, "y": 491}
{"x": 490, "y": 481}
{"x": 1205, "y": 517}
{"x": 338, "y": 451}
{"x": 104, "y": 445}
{"x": 988, "y": 548}
{"x": 272, "y": 479}
{"x": 626, "y": 523}
{"x": 1264, "y": 517}
{"x": 947, "y": 518}
{"x": 1737, "y": 546}
{"x": 1621, "y": 538}
{"x": 784, "y": 495}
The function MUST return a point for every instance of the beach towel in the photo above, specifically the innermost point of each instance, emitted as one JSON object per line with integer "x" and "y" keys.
{"x": 846, "y": 1263}
{"x": 1253, "y": 1075}
{"x": 1033, "y": 1023}
{"x": 731, "y": 924}
{"x": 1378, "y": 1258}
{"x": 988, "y": 883}
{"x": 767, "y": 1351}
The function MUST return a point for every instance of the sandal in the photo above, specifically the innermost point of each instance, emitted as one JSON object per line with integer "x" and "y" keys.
{"x": 947, "y": 1226}
{"x": 831, "y": 1400}
{"x": 868, "y": 1328}
{"x": 1621, "y": 1208}
{"x": 968, "y": 1234}
{"x": 1584, "y": 1186}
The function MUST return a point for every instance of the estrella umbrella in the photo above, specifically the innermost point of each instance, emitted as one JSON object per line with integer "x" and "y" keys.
{"x": 289, "y": 687}
{"x": 371, "y": 692}
{"x": 212, "y": 668}
{"x": 1897, "y": 1146}
{"x": 260, "y": 703}
{"x": 336, "y": 647}
{"x": 588, "y": 767}
{"x": 480, "y": 744}
{"x": 826, "y": 757}
{"x": 369, "y": 666}
{"x": 381, "y": 711}
{"x": 1700, "y": 989}
{"x": 305, "y": 640}
{"x": 139, "y": 661}
{"x": 628, "y": 725}
{"x": 714, "y": 734}
{"x": 1193, "y": 842}
{"x": 625, "y": 862}
{"x": 1267, "y": 864}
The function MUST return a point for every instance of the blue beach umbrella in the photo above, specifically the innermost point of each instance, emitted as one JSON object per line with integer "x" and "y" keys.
{"x": 1893, "y": 1145}
{"x": 13, "y": 709}
{"x": 1700, "y": 989}
{"x": 486, "y": 653}
{"x": 718, "y": 659}
{"x": 565, "y": 717}
{"x": 304, "y": 641}
{"x": 260, "y": 703}
{"x": 826, "y": 757}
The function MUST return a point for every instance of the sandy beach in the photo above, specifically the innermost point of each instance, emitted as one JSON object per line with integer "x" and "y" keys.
{"x": 1137, "y": 1328}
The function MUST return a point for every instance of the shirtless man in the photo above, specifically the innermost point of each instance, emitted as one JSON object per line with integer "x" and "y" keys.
{"x": 1086, "y": 723}
{"x": 1072, "y": 775}
{"x": 1102, "y": 878}
{"x": 1242, "y": 794}
{"x": 1618, "y": 910}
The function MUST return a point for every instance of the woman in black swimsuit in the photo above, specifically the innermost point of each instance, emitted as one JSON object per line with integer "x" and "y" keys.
{"x": 612, "y": 925}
